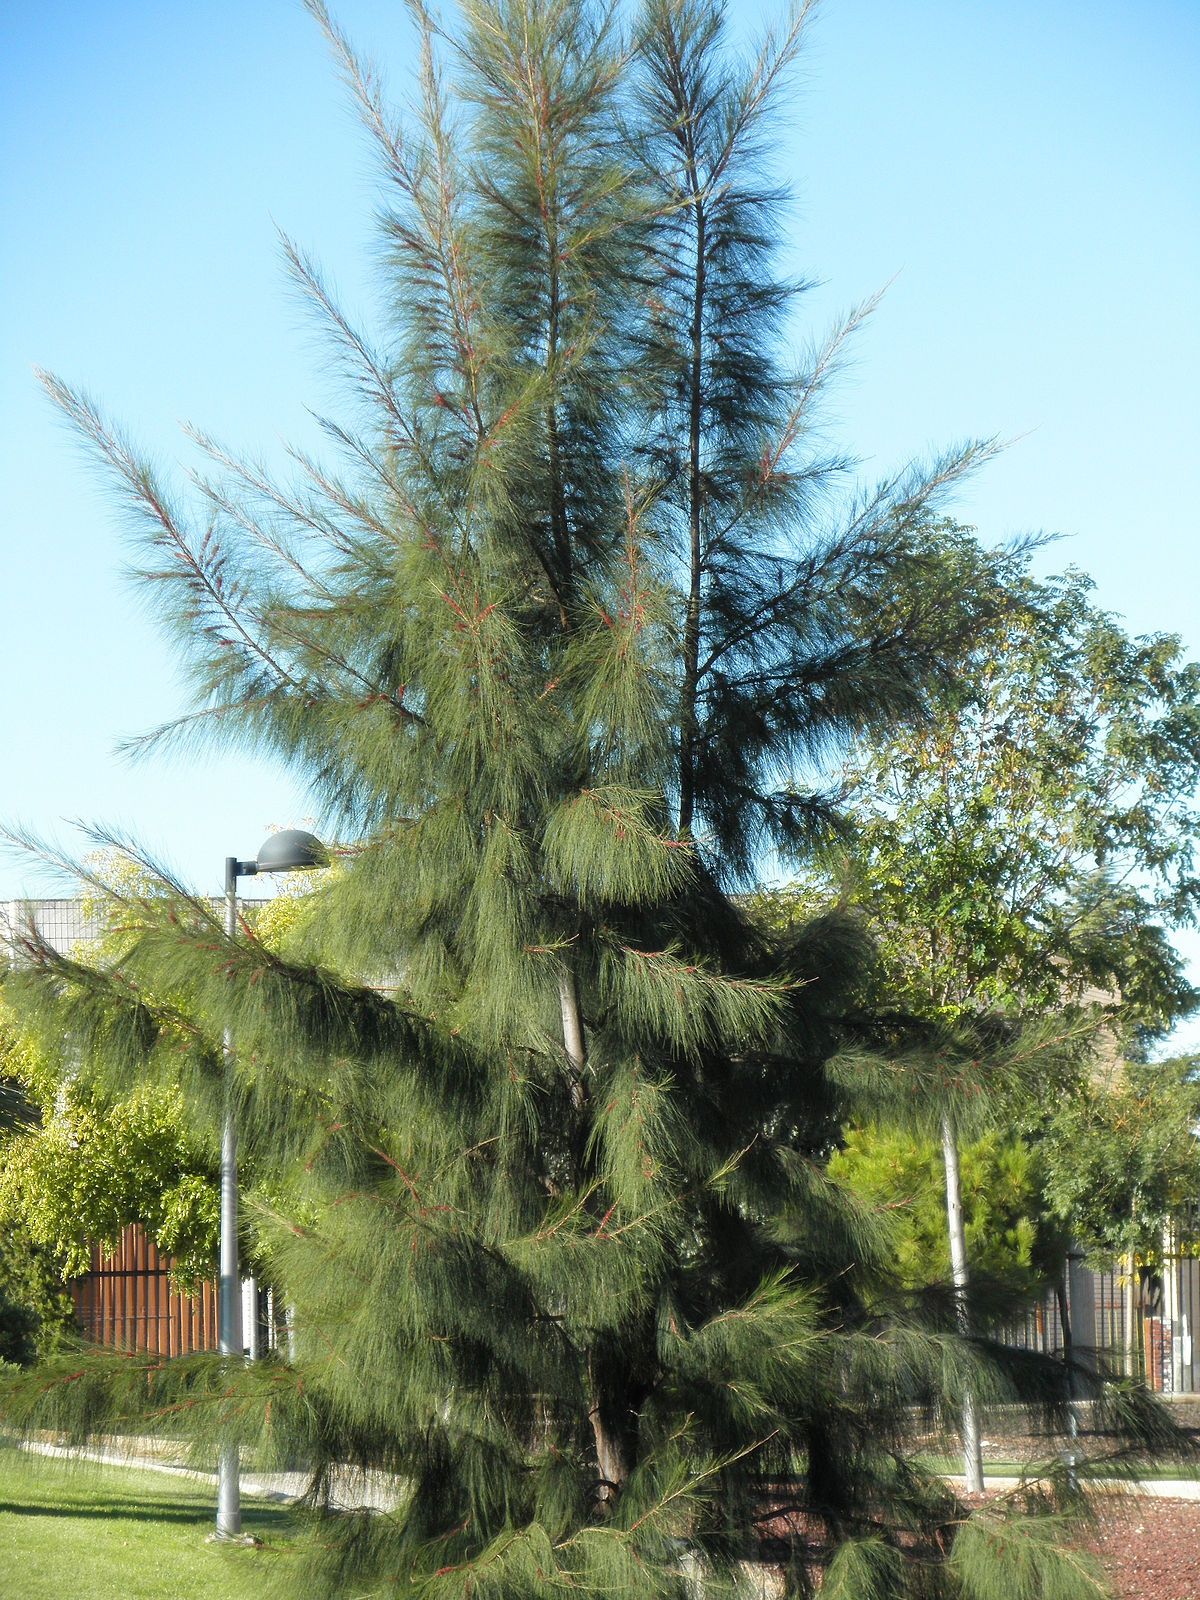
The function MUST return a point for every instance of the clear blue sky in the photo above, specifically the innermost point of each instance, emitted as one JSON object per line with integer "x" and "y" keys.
{"x": 1026, "y": 172}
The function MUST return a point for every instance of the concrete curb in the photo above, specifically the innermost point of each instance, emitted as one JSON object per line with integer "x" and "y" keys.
{"x": 1153, "y": 1488}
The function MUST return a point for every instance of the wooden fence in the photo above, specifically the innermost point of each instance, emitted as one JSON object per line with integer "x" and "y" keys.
{"x": 128, "y": 1300}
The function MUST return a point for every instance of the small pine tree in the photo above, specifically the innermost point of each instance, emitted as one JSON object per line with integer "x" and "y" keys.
{"x": 545, "y": 1113}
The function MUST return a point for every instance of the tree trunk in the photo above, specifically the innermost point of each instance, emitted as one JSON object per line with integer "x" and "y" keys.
{"x": 972, "y": 1454}
{"x": 572, "y": 1024}
{"x": 1064, "y": 1315}
{"x": 691, "y": 625}
{"x": 1172, "y": 1319}
{"x": 1064, "y": 1312}
{"x": 1130, "y": 1316}
{"x": 611, "y": 1465}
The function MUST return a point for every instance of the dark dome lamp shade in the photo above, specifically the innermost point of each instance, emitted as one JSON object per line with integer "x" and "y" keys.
{"x": 292, "y": 850}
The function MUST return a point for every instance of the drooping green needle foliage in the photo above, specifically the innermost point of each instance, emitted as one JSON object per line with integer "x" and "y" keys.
{"x": 559, "y": 645}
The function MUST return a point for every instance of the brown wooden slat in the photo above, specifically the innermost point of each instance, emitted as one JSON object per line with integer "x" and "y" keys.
{"x": 127, "y": 1325}
{"x": 127, "y": 1300}
{"x": 161, "y": 1288}
{"x": 105, "y": 1284}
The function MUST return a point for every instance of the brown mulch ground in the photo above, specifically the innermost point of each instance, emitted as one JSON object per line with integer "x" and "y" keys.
{"x": 1150, "y": 1548}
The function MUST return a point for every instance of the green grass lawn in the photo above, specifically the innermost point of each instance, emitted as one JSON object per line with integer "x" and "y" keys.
{"x": 952, "y": 1466}
{"x": 89, "y": 1532}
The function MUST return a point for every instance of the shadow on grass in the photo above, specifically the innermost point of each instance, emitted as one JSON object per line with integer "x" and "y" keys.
{"x": 196, "y": 1513}
{"x": 135, "y": 1511}
{"x": 108, "y": 1513}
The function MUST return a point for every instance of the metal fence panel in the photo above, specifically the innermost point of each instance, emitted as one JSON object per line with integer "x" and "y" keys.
{"x": 1164, "y": 1318}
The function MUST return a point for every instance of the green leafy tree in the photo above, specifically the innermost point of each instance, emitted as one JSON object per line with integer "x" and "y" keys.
{"x": 545, "y": 1110}
{"x": 1023, "y": 855}
{"x": 1121, "y": 1164}
{"x": 36, "y": 1313}
{"x": 85, "y": 1163}
{"x": 1014, "y": 1240}
{"x": 35, "y": 1309}
{"x": 96, "y": 1166}
{"x": 1036, "y": 840}
{"x": 81, "y": 1163}
{"x": 1123, "y": 1160}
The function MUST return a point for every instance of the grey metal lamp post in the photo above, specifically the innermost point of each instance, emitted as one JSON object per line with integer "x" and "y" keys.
{"x": 288, "y": 851}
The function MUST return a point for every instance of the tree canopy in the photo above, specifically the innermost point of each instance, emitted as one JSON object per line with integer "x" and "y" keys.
{"x": 1123, "y": 1160}
{"x": 1026, "y": 855}
{"x": 1014, "y": 1238}
{"x": 83, "y": 1159}
{"x": 1032, "y": 845}
{"x": 1022, "y": 858}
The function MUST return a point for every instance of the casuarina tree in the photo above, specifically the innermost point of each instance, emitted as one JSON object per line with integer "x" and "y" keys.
{"x": 559, "y": 647}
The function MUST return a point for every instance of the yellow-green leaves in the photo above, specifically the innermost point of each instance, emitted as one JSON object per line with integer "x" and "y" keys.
{"x": 89, "y": 1171}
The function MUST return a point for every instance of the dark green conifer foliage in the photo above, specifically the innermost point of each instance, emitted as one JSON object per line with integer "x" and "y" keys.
{"x": 555, "y": 647}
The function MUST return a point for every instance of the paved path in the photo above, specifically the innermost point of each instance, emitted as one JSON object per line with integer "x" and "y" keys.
{"x": 377, "y": 1491}
{"x": 352, "y": 1490}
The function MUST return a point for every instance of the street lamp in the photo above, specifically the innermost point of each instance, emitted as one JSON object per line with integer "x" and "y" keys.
{"x": 288, "y": 851}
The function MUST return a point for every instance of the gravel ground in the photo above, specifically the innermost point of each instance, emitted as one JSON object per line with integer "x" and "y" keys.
{"x": 1150, "y": 1548}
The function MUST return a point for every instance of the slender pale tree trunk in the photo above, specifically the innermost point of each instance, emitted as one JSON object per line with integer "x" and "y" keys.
{"x": 572, "y": 1025}
{"x": 1129, "y": 1309}
{"x": 1064, "y": 1315}
{"x": 1172, "y": 1317}
{"x": 972, "y": 1454}
{"x": 610, "y": 1457}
